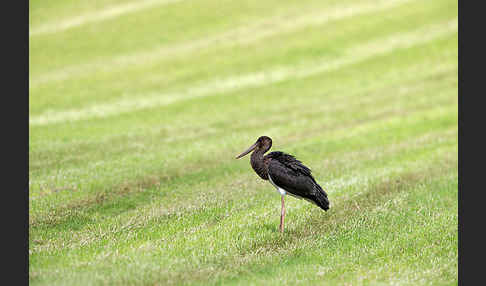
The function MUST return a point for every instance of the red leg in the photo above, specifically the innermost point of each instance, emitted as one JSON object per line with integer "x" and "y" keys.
{"x": 282, "y": 215}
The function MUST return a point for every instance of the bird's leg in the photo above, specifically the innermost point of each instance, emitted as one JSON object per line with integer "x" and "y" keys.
{"x": 282, "y": 214}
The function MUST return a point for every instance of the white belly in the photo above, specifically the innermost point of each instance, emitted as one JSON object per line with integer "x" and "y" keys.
{"x": 284, "y": 192}
{"x": 280, "y": 190}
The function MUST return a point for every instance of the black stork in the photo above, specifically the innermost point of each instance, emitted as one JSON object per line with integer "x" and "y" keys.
{"x": 286, "y": 174}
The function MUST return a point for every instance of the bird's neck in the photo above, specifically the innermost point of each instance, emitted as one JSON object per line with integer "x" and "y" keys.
{"x": 258, "y": 163}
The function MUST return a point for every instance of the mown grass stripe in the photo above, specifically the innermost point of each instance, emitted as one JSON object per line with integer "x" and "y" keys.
{"x": 109, "y": 12}
{"x": 237, "y": 36}
{"x": 370, "y": 126}
{"x": 334, "y": 107}
{"x": 276, "y": 74}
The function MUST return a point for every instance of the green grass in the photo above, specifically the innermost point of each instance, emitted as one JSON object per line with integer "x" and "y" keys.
{"x": 137, "y": 109}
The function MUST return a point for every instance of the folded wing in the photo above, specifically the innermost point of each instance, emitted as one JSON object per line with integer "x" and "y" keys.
{"x": 291, "y": 175}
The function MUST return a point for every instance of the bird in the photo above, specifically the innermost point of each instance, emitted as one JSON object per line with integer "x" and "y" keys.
{"x": 287, "y": 174}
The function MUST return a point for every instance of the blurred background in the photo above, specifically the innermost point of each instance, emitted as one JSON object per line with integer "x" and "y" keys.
{"x": 137, "y": 109}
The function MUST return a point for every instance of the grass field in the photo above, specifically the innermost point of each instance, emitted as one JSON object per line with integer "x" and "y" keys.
{"x": 137, "y": 109}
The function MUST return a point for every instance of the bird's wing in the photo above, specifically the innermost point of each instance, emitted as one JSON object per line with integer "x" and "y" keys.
{"x": 291, "y": 175}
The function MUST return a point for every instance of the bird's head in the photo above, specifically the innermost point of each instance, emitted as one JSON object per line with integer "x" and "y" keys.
{"x": 262, "y": 143}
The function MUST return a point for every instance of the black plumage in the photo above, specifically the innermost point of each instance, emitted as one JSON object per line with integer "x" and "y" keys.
{"x": 286, "y": 173}
{"x": 291, "y": 175}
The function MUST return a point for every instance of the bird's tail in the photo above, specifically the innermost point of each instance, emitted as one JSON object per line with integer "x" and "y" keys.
{"x": 321, "y": 198}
